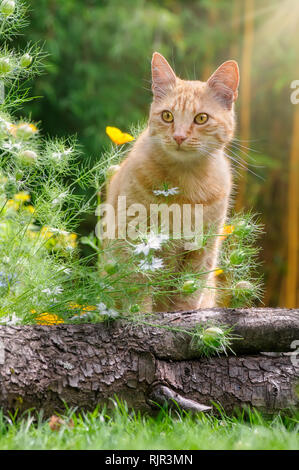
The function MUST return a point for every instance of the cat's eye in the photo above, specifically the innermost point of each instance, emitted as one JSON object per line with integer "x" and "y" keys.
{"x": 167, "y": 116}
{"x": 201, "y": 118}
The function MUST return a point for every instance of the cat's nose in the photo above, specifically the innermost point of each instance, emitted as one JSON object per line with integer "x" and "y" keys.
{"x": 179, "y": 138}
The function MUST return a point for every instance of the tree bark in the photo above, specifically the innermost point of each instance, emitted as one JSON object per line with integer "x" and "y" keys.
{"x": 88, "y": 364}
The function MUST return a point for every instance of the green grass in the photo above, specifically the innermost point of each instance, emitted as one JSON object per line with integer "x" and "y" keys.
{"x": 123, "y": 430}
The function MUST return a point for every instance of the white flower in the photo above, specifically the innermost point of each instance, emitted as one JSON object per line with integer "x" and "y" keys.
{"x": 58, "y": 230}
{"x": 112, "y": 313}
{"x": 10, "y": 320}
{"x": 153, "y": 242}
{"x": 101, "y": 307}
{"x": 60, "y": 155}
{"x": 166, "y": 192}
{"x": 59, "y": 198}
{"x": 153, "y": 265}
{"x": 109, "y": 312}
{"x": 54, "y": 291}
{"x": 12, "y": 146}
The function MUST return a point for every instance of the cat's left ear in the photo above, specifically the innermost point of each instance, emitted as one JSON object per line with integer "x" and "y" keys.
{"x": 163, "y": 77}
{"x": 224, "y": 83}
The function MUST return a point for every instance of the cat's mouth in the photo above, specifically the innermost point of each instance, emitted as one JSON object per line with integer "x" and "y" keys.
{"x": 180, "y": 148}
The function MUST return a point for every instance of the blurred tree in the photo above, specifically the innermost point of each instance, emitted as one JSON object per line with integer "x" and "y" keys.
{"x": 245, "y": 94}
{"x": 293, "y": 216}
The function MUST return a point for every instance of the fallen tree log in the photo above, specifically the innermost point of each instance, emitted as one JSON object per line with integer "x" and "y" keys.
{"x": 85, "y": 365}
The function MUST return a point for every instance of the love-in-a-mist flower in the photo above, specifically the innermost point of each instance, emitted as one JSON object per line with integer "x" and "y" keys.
{"x": 166, "y": 192}
{"x": 153, "y": 242}
{"x": 151, "y": 265}
{"x": 60, "y": 155}
{"x": 59, "y": 198}
{"x": 12, "y": 146}
{"x": 55, "y": 291}
{"x": 10, "y": 320}
{"x": 105, "y": 311}
{"x": 117, "y": 136}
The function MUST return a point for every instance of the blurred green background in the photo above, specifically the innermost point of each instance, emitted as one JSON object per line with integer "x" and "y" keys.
{"x": 98, "y": 74}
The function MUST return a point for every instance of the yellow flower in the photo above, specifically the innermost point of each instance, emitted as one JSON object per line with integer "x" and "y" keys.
{"x": 22, "y": 197}
{"x": 29, "y": 209}
{"x": 218, "y": 272}
{"x": 47, "y": 319}
{"x": 73, "y": 305}
{"x": 46, "y": 232}
{"x": 89, "y": 308}
{"x": 227, "y": 230}
{"x": 11, "y": 204}
{"x": 117, "y": 136}
{"x": 83, "y": 308}
{"x": 72, "y": 236}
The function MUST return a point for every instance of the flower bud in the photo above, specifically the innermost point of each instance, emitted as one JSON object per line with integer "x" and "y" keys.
{"x": 237, "y": 257}
{"x": 189, "y": 287}
{"x": 243, "y": 228}
{"x": 135, "y": 308}
{"x": 19, "y": 175}
{"x": 25, "y": 61}
{"x": 5, "y": 65}
{"x": 111, "y": 267}
{"x": 212, "y": 336}
{"x": 27, "y": 157}
{"x": 111, "y": 171}
{"x": 7, "y": 7}
{"x": 245, "y": 285}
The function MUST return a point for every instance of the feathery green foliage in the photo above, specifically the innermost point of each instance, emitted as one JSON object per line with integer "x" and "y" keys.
{"x": 43, "y": 197}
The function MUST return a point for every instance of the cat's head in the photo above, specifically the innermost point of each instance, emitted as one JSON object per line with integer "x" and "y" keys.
{"x": 192, "y": 116}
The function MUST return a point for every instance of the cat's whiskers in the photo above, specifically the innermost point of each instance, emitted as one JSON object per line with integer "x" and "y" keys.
{"x": 248, "y": 157}
{"x": 245, "y": 167}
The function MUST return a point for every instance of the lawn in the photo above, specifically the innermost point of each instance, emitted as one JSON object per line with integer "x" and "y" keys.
{"x": 123, "y": 430}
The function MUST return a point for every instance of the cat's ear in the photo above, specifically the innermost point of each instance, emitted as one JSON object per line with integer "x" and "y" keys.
{"x": 224, "y": 83}
{"x": 163, "y": 77}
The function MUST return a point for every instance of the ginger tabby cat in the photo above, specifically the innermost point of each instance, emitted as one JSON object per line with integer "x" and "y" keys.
{"x": 189, "y": 125}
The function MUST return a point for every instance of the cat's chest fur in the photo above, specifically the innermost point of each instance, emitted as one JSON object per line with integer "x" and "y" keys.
{"x": 194, "y": 183}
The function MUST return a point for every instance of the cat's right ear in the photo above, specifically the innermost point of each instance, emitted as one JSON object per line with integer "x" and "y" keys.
{"x": 224, "y": 83}
{"x": 163, "y": 77}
